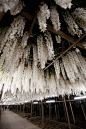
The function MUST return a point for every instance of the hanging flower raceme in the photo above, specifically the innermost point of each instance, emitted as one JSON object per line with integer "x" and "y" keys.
{"x": 43, "y": 15}
{"x": 84, "y": 44}
{"x": 17, "y": 27}
{"x": 49, "y": 44}
{"x": 71, "y": 25}
{"x": 63, "y": 70}
{"x": 25, "y": 39}
{"x": 79, "y": 16}
{"x": 64, "y": 3}
{"x": 12, "y": 49}
{"x": 2, "y": 37}
{"x": 55, "y": 18}
{"x": 68, "y": 69}
{"x": 42, "y": 51}
{"x": 57, "y": 69}
{"x": 58, "y": 39}
{"x": 15, "y": 6}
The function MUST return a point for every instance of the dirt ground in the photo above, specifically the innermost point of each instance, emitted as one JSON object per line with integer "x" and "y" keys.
{"x": 53, "y": 124}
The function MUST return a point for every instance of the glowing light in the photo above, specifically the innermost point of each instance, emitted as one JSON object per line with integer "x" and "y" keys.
{"x": 35, "y": 102}
{"x": 50, "y": 101}
{"x": 80, "y": 97}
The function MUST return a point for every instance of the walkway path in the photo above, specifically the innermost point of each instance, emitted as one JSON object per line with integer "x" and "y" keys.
{"x": 10, "y": 120}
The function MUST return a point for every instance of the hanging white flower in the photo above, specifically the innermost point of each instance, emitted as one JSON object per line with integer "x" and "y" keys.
{"x": 49, "y": 44}
{"x": 64, "y": 3}
{"x": 57, "y": 69}
{"x": 55, "y": 18}
{"x": 72, "y": 26}
{"x": 84, "y": 44}
{"x": 43, "y": 15}
{"x": 79, "y": 16}
{"x": 62, "y": 70}
{"x": 25, "y": 39}
{"x": 58, "y": 39}
{"x": 15, "y": 6}
{"x": 68, "y": 69}
{"x": 42, "y": 51}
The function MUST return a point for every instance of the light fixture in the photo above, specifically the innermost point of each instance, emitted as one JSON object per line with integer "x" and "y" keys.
{"x": 35, "y": 102}
{"x": 50, "y": 101}
{"x": 26, "y": 101}
{"x": 80, "y": 97}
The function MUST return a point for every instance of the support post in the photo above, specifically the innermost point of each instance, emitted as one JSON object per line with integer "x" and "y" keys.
{"x": 31, "y": 109}
{"x": 23, "y": 108}
{"x": 83, "y": 111}
{"x": 56, "y": 110}
{"x": 71, "y": 110}
{"x": 42, "y": 115}
{"x": 20, "y": 107}
{"x": 49, "y": 111}
{"x": 67, "y": 112}
{"x": 0, "y": 112}
{"x": 17, "y": 108}
{"x": 39, "y": 110}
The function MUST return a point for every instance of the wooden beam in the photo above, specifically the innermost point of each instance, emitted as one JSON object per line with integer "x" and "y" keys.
{"x": 67, "y": 113}
{"x": 63, "y": 35}
{"x": 2, "y": 15}
{"x": 83, "y": 111}
{"x": 50, "y": 28}
{"x": 71, "y": 110}
{"x": 42, "y": 114}
{"x": 66, "y": 50}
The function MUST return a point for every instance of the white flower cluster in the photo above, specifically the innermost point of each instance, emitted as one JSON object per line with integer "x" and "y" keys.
{"x": 2, "y": 36}
{"x": 49, "y": 44}
{"x": 24, "y": 39}
{"x": 57, "y": 69}
{"x": 58, "y": 39}
{"x": 84, "y": 44}
{"x": 16, "y": 28}
{"x": 10, "y": 45}
{"x": 72, "y": 26}
{"x": 29, "y": 84}
{"x": 22, "y": 80}
{"x": 15, "y": 6}
{"x": 79, "y": 16}
{"x": 43, "y": 15}
{"x": 71, "y": 67}
{"x": 55, "y": 18}
{"x": 64, "y": 3}
{"x": 42, "y": 51}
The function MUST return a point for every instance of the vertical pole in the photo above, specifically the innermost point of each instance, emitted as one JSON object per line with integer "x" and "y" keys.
{"x": 56, "y": 111}
{"x": 23, "y": 108}
{"x": 49, "y": 111}
{"x": 20, "y": 107}
{"x": 83, "y": 111}
{"x": 67, "y": 113}
{"x": 31, "y": 109}
{"x": 17, "y": 108}
{"x": 42, "y": 114}
{"x": 0, "y": 112}
{"x": 39, "y": 109}
{"x": 71, "y": 110}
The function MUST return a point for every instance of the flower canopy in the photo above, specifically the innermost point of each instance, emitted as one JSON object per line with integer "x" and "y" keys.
{"x": 25, "y": 54}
